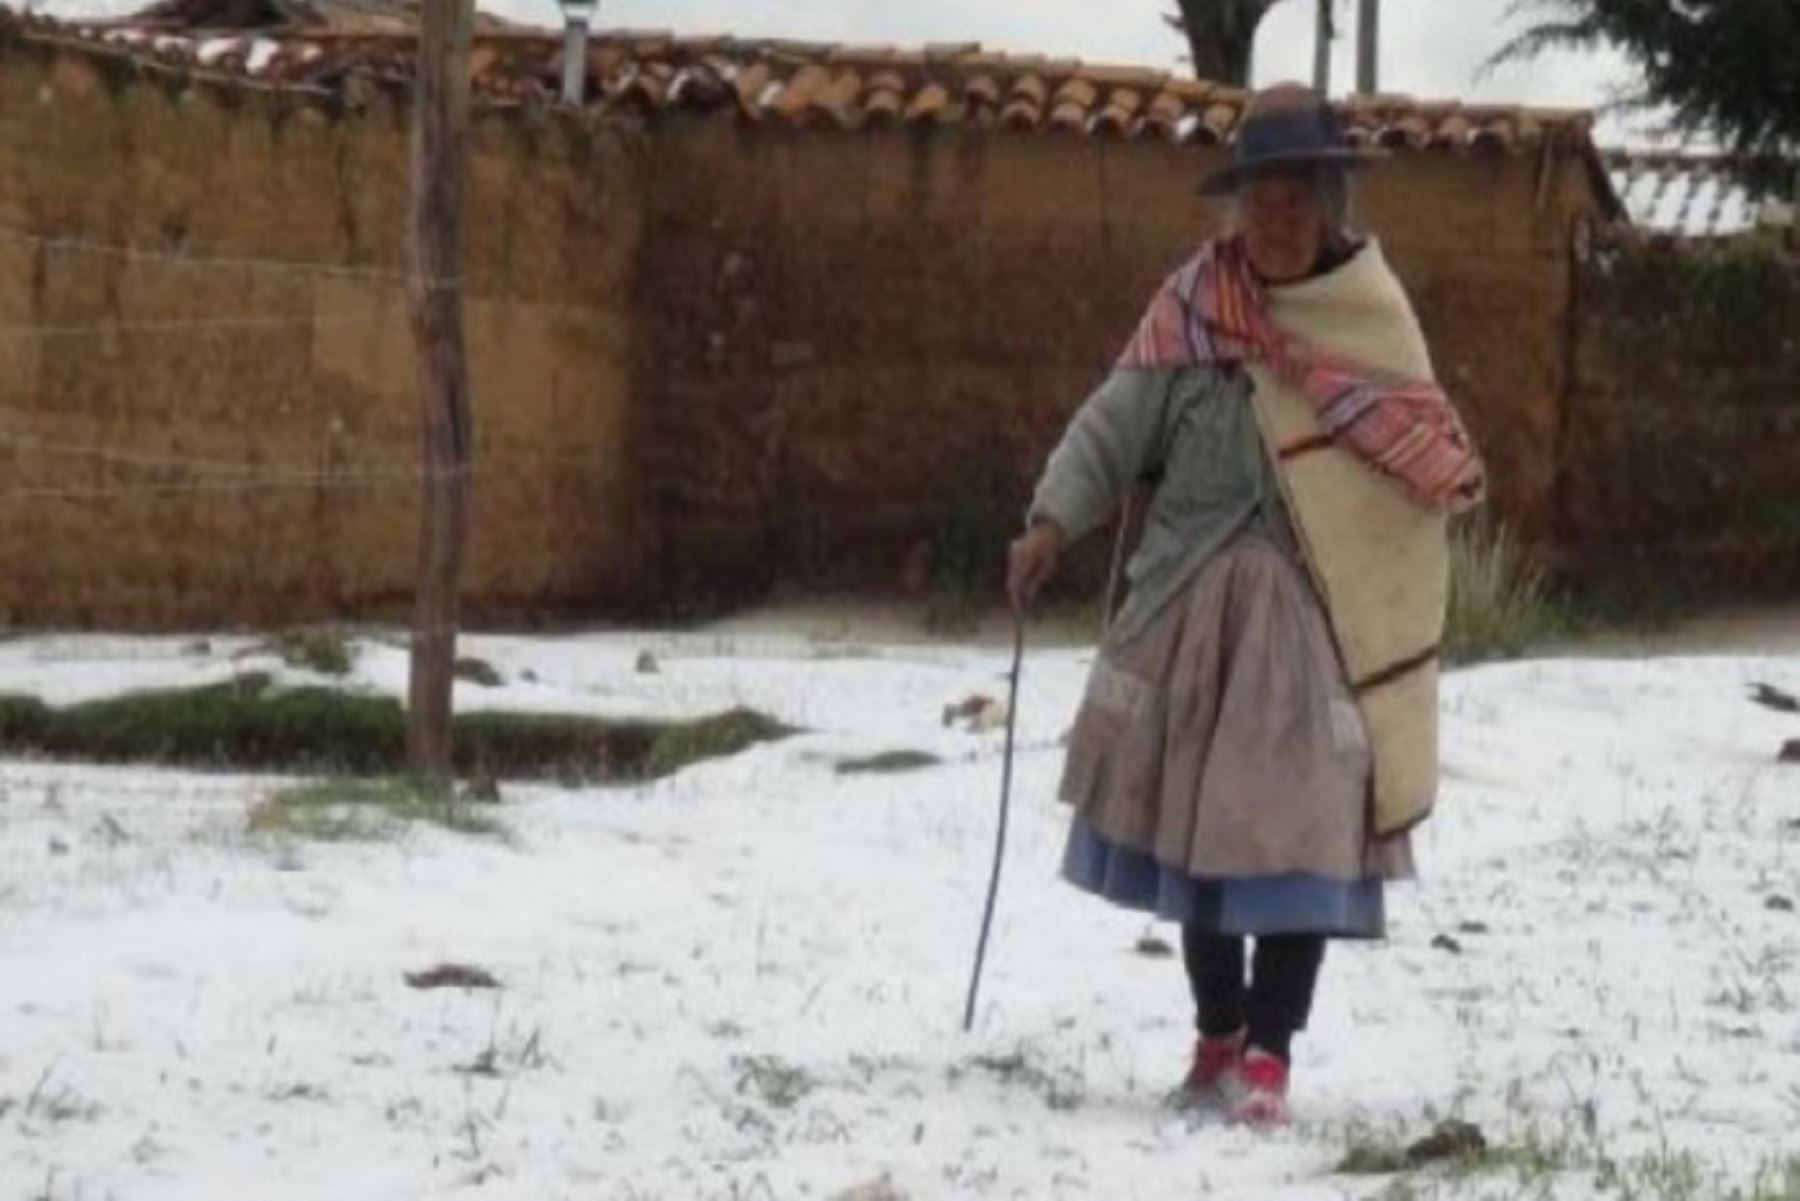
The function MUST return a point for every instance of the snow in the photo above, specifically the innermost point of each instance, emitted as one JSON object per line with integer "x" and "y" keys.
{"x": 189, "y": 1011}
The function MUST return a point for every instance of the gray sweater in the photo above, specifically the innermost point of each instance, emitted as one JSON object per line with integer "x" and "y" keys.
{"x": 1193, "y": 425}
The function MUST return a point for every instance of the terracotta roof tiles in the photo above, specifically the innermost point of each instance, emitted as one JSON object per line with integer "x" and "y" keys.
{"x": 656, "y": 73}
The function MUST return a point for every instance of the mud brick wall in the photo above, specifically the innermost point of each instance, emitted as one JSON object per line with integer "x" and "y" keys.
{"x": 129, "y": 427}
{"x": 709, "y": 354}
{"x": 847, "y": 333}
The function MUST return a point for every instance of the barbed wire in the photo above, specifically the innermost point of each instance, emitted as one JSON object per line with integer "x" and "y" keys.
{"x": 18, "y": 235}
{"x": 286, "y": 479}
{"x": 154, "y": 491}
{"x": 222, "y": 477}
{"x": 231, "y": 478}
{"x": 398, "y": 279}
{"x": 171, "y": 325}
{"x": 315, "y": 481}
{"x": 404, "y": 281}
{"x": 51, "y": 332}
{"x": 134, "y": 458}
{"x": 371, "y": 452}
{"x": 384, "y": 458}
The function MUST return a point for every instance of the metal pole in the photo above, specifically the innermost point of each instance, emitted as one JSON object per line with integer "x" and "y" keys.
{"x": 578, "y": 17}
{"x": 1368, "y": 47}
{"x": 1324, "y": 33}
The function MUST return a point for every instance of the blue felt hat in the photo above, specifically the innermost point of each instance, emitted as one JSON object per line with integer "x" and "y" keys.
{"x": 1284, "y": 128}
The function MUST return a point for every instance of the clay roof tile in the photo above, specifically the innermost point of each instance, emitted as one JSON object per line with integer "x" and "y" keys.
{"x": 1410, "y": 131}
{"x": 982, "y": 89}
{"x": 803, "y": 90}
{"x": 1079, "y": 90}
{"x": 1137, "y": 78}
{"x": 1191, "y": 91}
{"x": 1493, "y": 136}
{"x": 839, "y": 98}
{"x": 1069, "y": 117}
{"x": 751, "y": 83}
{"x": 1022, "y": 114}
{"x": 1452, "y": 132}
{"x": 650, "y": 90}
{"x": 803, "y": 79}
{"x": 1030, "y": 88}
{"x": 1217, "y": 123}
{"x": 1164, "y": 113}
{"x": 887, "y": 80}
{"x": 1120, "y": 112}
{"x": 1025, "y": 105}
{"x": 929, "y": 104}
{"x": 884, "y": 108}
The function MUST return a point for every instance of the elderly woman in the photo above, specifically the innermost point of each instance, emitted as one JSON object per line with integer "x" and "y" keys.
{"x": 1258, "y": 735}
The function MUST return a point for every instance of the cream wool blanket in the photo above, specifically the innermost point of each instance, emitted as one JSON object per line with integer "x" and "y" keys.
{"x": 1380, "y": 561}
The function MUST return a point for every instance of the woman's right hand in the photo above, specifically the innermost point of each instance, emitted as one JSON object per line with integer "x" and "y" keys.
{"x": 1031, "y": 560}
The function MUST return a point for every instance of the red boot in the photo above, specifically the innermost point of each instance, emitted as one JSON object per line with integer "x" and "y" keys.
{"x": 1215, "y": 1068}
{"x": 1261, "y": 1098}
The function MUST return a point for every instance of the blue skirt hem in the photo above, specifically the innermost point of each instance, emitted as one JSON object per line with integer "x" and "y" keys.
{"x": 1290, "y": 903}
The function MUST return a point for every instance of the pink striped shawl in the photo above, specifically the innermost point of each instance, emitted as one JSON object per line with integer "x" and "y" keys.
{"x": 1213, "y": 310}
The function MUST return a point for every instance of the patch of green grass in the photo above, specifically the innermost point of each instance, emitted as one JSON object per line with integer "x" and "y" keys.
{"x": 246, "y": 722}
{"x": 23, "y": 719}
{"x": 1452, "y": 1143}
{"x": 1501, "y": 605}
{"x": 1530, "y": 1158}
{"x": 1775, "y": 1180}
{"x": 683, "y": 744}
{"x": 1371, "y": 1154}
{"x": 243, "y": 721}
{"x": 888, "y": 762}
{"x": 326, "y": 651}
{"x": 1063, "y": 1089}
{"x": 780, "y": 1084}
{"x": 1665, "y": 1174}
{"x": 1454, "y": 1149}
{"x": 1533, "y": 1162}
{"x": 361, "y": 810}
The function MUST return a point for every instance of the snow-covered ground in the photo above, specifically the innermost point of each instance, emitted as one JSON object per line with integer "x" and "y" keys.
{"x": 746, "y": 981}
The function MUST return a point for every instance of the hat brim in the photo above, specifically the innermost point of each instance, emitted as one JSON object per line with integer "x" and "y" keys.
{"x": 1226, "y": 180}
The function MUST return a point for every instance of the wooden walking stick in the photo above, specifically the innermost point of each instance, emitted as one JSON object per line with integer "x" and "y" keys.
{"x": 1130, "y": 520}
{"x": 1006, "y": 774}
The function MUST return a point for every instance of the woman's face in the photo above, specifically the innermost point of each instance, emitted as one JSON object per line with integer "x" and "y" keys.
{"x": 1284, "y": 223}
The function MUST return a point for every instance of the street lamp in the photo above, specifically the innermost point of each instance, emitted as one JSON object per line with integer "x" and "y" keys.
{"x": 578, "y": 17}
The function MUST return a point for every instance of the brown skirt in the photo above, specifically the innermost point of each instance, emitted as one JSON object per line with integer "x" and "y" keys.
{"x": 1221, "y": 740}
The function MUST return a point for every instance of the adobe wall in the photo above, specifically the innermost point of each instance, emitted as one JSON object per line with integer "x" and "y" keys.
{"x": 195, "y": 444}
{"x": 708, "y": 357}
{"x": 847, "y": 332}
